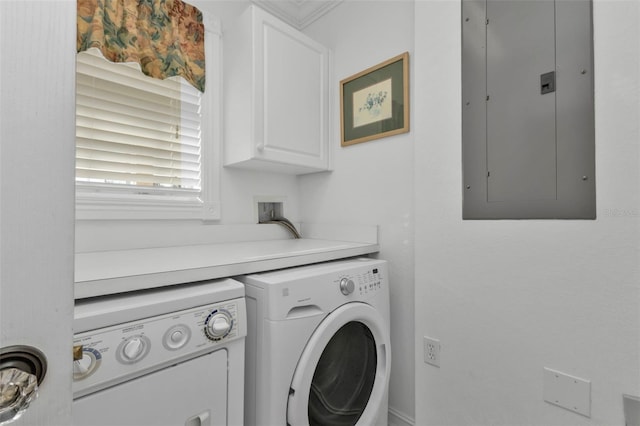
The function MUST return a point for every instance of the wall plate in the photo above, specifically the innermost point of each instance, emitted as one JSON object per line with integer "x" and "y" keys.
{"x": 563, "y": 390}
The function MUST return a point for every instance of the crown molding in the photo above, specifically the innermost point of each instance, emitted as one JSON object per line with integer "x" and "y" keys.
{"x": 298, "y": 13}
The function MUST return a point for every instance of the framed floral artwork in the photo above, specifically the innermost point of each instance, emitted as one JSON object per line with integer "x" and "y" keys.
{"x": 375, "y": 102}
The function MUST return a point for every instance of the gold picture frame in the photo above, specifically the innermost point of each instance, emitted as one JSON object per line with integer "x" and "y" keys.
{"x": 375, "y": 102}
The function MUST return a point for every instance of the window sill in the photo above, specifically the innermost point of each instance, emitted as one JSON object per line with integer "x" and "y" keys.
{"x": 107, "y": 206}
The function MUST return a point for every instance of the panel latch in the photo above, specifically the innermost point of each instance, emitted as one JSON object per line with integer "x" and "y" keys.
{"x": 547, "y": 82}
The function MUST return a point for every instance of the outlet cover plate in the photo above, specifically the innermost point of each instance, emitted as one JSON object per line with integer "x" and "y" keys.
{"x": 431, "y": 351}
{"x": 631, "y": 405}
{"x": 563, "y": 390}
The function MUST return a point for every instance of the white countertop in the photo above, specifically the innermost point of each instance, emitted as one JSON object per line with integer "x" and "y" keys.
{"x": 109, "y": 272}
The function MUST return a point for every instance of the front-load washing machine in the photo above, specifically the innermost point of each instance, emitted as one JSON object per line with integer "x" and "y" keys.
{"x": 318, "y": 347}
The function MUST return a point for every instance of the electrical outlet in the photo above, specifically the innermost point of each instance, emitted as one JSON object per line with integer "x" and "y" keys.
{"x": 431, "y": 351}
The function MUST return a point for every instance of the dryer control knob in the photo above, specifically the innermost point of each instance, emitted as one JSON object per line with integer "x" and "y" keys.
{"x": 347, "y": 286}
{"x": 85, "y": 366}
{"x": 133, "y": 349}
{"x": 218, "y": 325}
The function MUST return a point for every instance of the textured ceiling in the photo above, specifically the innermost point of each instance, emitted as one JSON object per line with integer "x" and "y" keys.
{"x": 298, "y": 13}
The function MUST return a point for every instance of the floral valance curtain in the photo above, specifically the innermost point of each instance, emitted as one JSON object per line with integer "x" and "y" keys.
{"x": 166, "y": 37}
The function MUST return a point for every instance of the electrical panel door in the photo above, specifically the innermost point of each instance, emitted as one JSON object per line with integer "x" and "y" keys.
{"x": 527, "y": 109}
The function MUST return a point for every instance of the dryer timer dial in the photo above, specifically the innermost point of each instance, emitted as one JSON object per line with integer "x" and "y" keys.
{"x": 218, "y": 324}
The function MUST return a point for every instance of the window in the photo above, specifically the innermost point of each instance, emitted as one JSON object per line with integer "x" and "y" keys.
{"x": 135, "y": 130}
{"x": 146, "y": 148}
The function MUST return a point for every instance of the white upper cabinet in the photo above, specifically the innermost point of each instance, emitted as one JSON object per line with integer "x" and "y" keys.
{"x": 276, "y": 96}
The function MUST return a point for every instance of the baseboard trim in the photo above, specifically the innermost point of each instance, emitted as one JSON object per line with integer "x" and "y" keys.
{"x": 397, "y": 418}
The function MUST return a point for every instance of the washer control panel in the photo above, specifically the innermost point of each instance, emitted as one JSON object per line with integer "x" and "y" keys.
{"x": 362, "y": 283}
{"x": 118, "y": 353}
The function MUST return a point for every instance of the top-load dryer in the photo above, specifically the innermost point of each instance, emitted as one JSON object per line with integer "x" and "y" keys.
{"x": 318, "y": 346}
{"x": 161, "y": 357}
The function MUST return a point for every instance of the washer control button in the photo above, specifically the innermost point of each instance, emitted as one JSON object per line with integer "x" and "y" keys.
{"x": 176, "y": 337}
{"x": 347, "y": 286}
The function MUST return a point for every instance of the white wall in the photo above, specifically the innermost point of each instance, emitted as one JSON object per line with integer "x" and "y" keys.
{"x": 238, "y": 188}
{"x": 372, "y": 183}
{"x": 507, "y": 298}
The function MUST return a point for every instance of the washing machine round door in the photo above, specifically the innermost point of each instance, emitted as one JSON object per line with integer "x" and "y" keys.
{"x": 343, "y": 374}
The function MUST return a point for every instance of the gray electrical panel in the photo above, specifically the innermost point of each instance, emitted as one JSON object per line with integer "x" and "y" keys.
{"x": 528, "y": 147}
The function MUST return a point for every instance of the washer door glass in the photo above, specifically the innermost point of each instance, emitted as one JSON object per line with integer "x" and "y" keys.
{"x": 344, "y": 377}
{"x": 343, "y": 372}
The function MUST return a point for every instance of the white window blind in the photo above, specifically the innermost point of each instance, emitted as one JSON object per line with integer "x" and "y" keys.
{"x": 133, "y": 131}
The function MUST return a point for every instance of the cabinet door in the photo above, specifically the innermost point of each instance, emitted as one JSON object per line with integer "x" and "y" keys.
{"x": 276, "y": 96}
{"x": 291, "y": 95}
